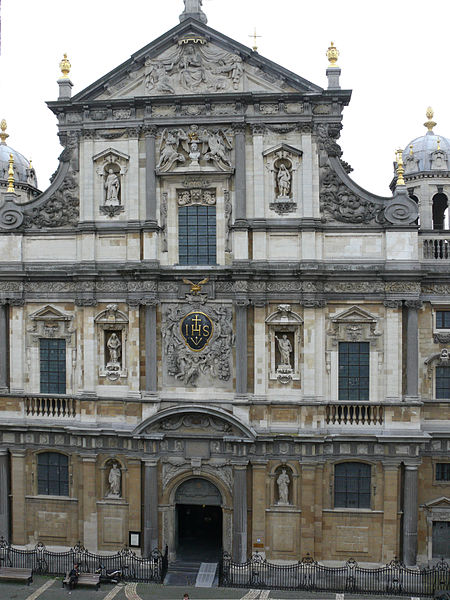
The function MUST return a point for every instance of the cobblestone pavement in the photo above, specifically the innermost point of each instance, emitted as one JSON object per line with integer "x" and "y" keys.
{"x": 46, "y": 588}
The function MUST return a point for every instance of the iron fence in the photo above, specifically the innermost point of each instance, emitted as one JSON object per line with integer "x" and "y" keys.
{"x": 43, "y": 562}
{"x": 391, "y": 579}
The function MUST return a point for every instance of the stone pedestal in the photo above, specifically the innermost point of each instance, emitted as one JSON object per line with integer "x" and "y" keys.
{"x": 150, "y": 506}
{"x": 410, "y": 515}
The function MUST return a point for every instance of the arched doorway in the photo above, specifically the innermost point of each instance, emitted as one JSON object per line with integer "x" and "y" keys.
{"x": 198, "y": 506}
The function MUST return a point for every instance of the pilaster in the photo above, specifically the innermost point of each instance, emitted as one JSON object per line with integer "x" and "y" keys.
{"x": 4, "y": 494}
{"x": 151, "y": 367}
{"x": 412, "y": 348}
{"x": 18, "y": 493}
{"x": 150, "y": 174}
{"x": 241, "y": 346}
{"x": 151, "y": 539}
{"x": 89, "y": 515}
{"x": 240, "y": 513}
{"x": 240, "y": 174}
{"x": 259, "y": 499}
{"x": 308, "y": 489}
{"x": 410, "y": 510}
{"x": 390, "y": 513}
{"x": 4, "y": 347}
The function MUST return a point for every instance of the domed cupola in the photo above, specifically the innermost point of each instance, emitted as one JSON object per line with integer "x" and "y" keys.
{"x": 25, "y": 181}
{"x": 427, "y": 175}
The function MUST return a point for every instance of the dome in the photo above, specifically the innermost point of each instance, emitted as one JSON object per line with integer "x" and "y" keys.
{"x": 23, "y": 171}
{"x": 422, "y": 153}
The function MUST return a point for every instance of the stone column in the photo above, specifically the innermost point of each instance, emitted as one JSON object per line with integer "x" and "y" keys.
{"x": 4, "y": 494}
{"x": 259, "y": 506}
{"x": 412, "y": 348}
{"x": 241, "y": 346}
{"x": 89, "y": 515}
{"x": 240, "y": 173}
{"x": 151, "y": 362}
{"x": 410, "y": 515}
{"x": 151, "y": 538}
{"x": 18, "y": 493}
{"x": 240, "y": 513}
{"x": 150, "y": 175}
{"x": 390, "y": 510}
{"x": 4, "y": 347}
{"x": 318, "y": 513}
{"x": 308, "y": 489}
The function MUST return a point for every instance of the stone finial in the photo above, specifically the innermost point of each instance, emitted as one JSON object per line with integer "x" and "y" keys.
{"x": 430, "y": 123}
{"x": 400, "y": 167}
{"x": 333, "y": 71}
{"x": 193, "y": 10}
{"x": 65, "y": 65}
{"x": 11, "y": 189}
{"x": 3, "y": 134}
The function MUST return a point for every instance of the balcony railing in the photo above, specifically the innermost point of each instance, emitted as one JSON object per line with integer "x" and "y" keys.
{"x": 45, "y": 406}
{"x": 354, "y": 414}
{"x": 436, "y": 248}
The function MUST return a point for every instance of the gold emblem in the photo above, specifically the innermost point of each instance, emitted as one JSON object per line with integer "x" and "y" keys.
{"x": 196, "y": 329}
{"x": 196, "y": 287}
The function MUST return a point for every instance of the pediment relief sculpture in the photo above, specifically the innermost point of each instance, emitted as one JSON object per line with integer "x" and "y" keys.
{"x": 194, "y": 149}
{"x": 354, "y": 325}
{"x": 193, "y": 423}
{"x": 50, "y": 322}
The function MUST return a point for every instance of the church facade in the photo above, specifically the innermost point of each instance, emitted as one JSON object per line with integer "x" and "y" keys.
{"x": 209, "y": 334}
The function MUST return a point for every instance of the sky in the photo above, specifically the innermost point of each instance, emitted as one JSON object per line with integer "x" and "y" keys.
{"x": 393, "y": 55}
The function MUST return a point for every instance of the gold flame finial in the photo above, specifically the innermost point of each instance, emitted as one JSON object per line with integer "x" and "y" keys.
{"x": 333, "y": 55}
{"x": 400, "y": 168}
{"x": 3, "y": 134}
{"x": 11, "y": 175}
{"x": 65, "y": 65}
{"x": 430, "y": 123}
{"x": 411, "y": 150}
{"x": 439, "y": 144}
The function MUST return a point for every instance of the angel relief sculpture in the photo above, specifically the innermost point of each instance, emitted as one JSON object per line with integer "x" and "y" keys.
{"x": 217, "y": 147}
{"x": 169, "y": 148}
{"x": 194, "y": 67}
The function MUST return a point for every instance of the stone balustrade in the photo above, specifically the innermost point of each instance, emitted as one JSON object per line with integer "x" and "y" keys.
{"x": 48, "y": 406}
{"x": 354, "y": 414}
{"x": 436, "y": 248}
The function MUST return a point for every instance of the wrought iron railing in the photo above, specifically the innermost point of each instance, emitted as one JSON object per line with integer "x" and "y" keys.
{"x": 50, "y": 406}
{"x": 44, "y": 562}
{"x": 391, "y": 579}
{"x": 354, "y": 414}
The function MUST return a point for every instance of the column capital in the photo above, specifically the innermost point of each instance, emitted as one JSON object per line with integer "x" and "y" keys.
{"x": 414, "y": 304}
{"x": 239, "y": 128}
{"x": 150, "y": 130}
{"x": 393, "y": 303}
{"x": 241, "y": 302}
{"x": 240, "y": 466}
{"x": 150, "y": 462}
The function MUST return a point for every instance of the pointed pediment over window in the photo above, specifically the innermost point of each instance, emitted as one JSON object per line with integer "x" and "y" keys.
{"x": 283, "y": 148}
{"x": 50, "y": 313}
{"x": 195, "y": 59}
{"x": 442, "y": 502}
{"x": 355, "y": 314}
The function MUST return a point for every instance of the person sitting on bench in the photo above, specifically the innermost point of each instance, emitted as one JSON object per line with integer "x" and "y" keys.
{"x": 73, "y": 576}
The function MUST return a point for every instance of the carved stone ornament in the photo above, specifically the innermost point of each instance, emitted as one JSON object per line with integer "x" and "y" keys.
{"x": 112, "y": 337}
{"x": 228, "y": 220}
{"x": 284, "y": 329}
{"x": 440, "y": 359}
{"x": 441, "y": 338}
{"x": 213, "y": 361}
{"x": 50, "y": 322}
{"x": 196, "y": 196}
{"x": 353, "y": 325}
{"x": 193, "y": 66}
{"x": 163, "y": 221}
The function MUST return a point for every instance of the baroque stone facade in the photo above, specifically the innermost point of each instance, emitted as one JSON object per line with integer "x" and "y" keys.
{"x": 203, "y": 309}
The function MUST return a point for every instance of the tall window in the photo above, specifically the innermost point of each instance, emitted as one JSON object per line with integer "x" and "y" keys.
{"x": 352, "y": 485}
{"x": 443, "y": 319}
{"x": 443, "y": 382}
{"x": 442, "y": 471}
{"x": 53, "y": 474}
{"x": 197, "y": 235}
{"x": 53, "y": 366}
{"x": 353, "y": 370}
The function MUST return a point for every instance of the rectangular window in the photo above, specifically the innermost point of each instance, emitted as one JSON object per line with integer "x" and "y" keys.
{"x": 354, "y": 370}
{"x": 352, "y": 485}
{"x": 53, "y": 366}
{"x": 53, "y": 474}
{"x": 197, "y": 235}
{"x": 443, "y": 382}
{"x": 443, "y": 319}
{"x": 443, "y": 472}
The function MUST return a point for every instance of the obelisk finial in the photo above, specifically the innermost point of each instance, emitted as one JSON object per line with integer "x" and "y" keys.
{"x": 430, "y": 123}
{"x": 193, "y": 10}
{"x": 400, "y": 167}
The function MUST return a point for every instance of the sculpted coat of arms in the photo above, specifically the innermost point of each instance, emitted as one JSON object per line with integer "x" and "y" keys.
{"x": 198, "y": 344}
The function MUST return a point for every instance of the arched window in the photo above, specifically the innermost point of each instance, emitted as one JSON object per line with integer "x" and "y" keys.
{"x": 440, "y": 213}
{"x": 53, "y": 474}
{"x": 352, "y": 485}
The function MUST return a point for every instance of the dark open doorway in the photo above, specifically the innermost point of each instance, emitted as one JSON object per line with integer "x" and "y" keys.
{"x": 199, "y": 532}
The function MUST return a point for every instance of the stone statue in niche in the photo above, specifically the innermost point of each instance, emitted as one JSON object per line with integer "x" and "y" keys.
{"x": 169, "y": 148}
{"x": 284, "y": 181}
{"x": 285, "y": 349}
{"x": 114, "y": 480}
{"x": 283, "y": 487}
{"x": 112, "y": 188}
{"x": 114, "y": 344}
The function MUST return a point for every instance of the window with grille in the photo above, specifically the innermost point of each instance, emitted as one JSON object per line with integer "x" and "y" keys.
{"x": 197, "y": 235}
{"x": 53, "y": 474}
{"x": 442, "y": 471}
{"x": 53, "y": 366}
{"x": 443, "y": 319}
{"x": 352, "y": 485}
{"x": 442, "y": 382}
{"x": 354, "y": 370}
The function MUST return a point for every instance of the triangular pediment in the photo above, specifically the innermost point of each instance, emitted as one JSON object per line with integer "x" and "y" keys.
{"x": 355, "y": 314}
{"x": 195, "y": 59}
{"x": 49, "y": 313}
{"x": 442, "y": 502}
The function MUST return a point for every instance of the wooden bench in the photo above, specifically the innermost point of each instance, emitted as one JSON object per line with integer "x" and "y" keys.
{"x": 88, "y": 579}
{"x": 16, "y": 574}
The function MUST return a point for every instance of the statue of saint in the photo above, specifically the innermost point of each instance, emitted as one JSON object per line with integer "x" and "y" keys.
{"x": 283, "y": 487}
{"x": 114, "y": 481}
{"x": 284, "y": 181}
{"x": 112, "y": 187}
{"x": 285, "y": 348}
{"x": 113, "y": 344}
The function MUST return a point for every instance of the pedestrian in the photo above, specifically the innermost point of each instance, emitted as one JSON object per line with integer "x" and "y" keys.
{"x": 186, "y": 597}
